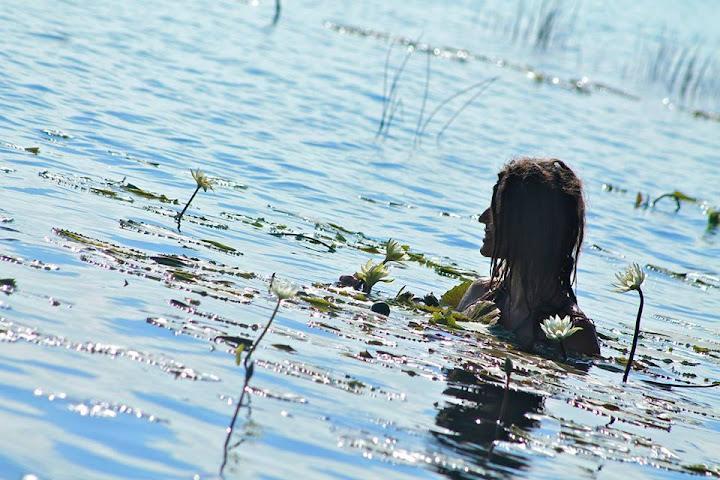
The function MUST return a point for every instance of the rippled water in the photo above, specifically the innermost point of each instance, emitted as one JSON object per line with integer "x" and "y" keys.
{"x": 118, "y": 331}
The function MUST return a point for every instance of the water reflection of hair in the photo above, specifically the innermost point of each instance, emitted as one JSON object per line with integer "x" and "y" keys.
{"x": 472, "y": 421}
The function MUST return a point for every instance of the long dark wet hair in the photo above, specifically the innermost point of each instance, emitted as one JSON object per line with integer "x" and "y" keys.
{"x": 538, "y": 214}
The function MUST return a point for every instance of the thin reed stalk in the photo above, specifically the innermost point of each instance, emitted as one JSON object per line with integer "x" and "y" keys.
{"x": 277, "y": 13}
{"x": 461, "y": 109}
{"x": 424, "y": 102}
{"x": 451, "y": 98}
{"x": 387, "y": 98}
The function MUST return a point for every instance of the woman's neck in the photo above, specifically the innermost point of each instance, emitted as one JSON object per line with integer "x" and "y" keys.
{"x": 522, "y": 300}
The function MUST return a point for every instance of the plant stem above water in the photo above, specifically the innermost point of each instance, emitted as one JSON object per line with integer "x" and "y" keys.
{"x": 635, "y": 336}
{"x": 179, "y": 217}
{"x": 248, "y": 374}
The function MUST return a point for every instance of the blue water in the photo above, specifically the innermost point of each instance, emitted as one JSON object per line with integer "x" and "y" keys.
{"x": 108, "y": 370}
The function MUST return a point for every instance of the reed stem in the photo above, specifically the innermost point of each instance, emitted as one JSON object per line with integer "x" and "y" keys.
{"x": 277, "y": 13}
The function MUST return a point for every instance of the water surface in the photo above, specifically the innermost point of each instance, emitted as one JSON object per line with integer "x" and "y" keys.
{"x": 110, "y": 364}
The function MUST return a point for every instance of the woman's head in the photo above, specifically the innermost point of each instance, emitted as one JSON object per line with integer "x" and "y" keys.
{"x": 535, "y": 226}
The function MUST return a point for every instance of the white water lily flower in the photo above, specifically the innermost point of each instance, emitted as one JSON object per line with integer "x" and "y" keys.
{"x": 395, "y": 253}
{"x": 201, "y": 179}
{"x": 630, "y": 279}
{"x": 283, "y": 289}
{"x": 558, "y": 329}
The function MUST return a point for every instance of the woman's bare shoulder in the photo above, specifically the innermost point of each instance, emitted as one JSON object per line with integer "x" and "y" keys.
{"x": 474, "y": 292}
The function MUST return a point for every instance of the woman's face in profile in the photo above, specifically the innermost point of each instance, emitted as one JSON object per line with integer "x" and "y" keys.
{"x": 489, "y": 239}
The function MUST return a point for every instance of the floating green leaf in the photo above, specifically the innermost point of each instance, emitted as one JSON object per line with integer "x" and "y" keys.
{"x": 169, "y": 260}
{"x": 484, "y": 312}
{"x": 356, "y": 384}
{"x": 321, "y": 303}
{"x": 283, "y": 347}
{"x": 129, "y": 187}
{"x": 219, "y": 245}
{"x": 449, "y": 318}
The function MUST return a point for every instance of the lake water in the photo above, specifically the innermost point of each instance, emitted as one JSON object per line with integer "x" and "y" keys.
{"x": 117, "y": 331}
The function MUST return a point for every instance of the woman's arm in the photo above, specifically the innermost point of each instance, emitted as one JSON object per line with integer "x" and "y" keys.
{"x": 584, "y": 341}
{"x": 478, "y": 288}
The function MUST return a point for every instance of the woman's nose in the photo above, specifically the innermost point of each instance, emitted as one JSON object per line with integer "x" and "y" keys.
{"x": 484, "y": 216}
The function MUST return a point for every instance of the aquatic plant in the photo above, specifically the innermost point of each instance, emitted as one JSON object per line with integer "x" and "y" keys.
{"x": 277, "y": 13}
{"x": 371, "y": 274}
{"x": 484, "y": 312}
{"x": 203, "y": 182}
{"x": 631, "y": 279}
{"x": 558, "y": 329}
{"x": 675, "y": 195}
{"x": 713, "y": 218}
{"x": 453, "y": 296}
{"x": 390, "y": 104}
{"x": 481, "y": 86}
{"x": 395, "y": 253}
{"x": 283, "y": 290}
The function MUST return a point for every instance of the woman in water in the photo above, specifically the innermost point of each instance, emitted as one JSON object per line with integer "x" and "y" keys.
{"x": 533, "y": 233}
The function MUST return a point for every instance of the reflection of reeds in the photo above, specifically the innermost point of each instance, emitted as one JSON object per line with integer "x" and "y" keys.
{"x": 542, "y": 24}
{"x": 686, "y": 71}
